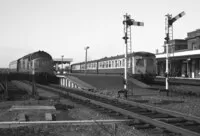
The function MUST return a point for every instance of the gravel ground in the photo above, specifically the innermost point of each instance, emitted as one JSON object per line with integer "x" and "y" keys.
{"x": 80, "y": 112}
{"x": 188, "y": 105}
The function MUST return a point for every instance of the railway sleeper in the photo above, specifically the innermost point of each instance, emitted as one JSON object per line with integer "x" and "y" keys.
{"x": 158, "y": 115}
{"x": 140, "y": 111}
{"x": 101, "y": 109}
{"x": 92, "y": 106}
{"x": 191, "y": 123}
{"x": 135, "y": 122}
{"x": 192, "y": 128}
{"x": 143, "y": 126}
{"x": 146, "y": 113}
{"x": 187, "y": 124}
{"x": 115, "y": 115}
{"x": 174, "y": 120}
{"x": 168, "y": 133}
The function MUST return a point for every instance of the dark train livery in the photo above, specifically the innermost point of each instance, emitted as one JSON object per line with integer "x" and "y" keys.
{"x": 143, "y": 64}
{"x": 39, "y": 63}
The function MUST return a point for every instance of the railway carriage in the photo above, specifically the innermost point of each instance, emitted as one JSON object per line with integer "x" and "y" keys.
{"x": 140, "y": 64}
{"x": 39, "y": 63}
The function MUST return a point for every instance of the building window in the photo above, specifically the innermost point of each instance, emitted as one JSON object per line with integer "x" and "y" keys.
{"x": 193, "y": 46}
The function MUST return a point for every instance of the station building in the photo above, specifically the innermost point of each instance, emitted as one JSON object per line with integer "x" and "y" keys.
{"x": 184, "y": 57}
{"x": 62, "y": 65}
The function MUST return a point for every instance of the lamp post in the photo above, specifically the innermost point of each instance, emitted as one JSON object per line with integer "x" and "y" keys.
{"x": 33, "y": 79}
{"x": 86, "y": 48}
{"x": 62, "y": 63}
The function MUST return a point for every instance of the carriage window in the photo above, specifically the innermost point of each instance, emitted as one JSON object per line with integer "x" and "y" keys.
{"x": 120, "y": 63}
{"x": 112, "y": 63}
{"x": 140, "y": 62}
{"x": 109, "y": 65}
{"x": 106, "y": 64}
{"x": 123, "y": 62}
{"x": 100, "y": 64}
{"x": 115, "y": 63}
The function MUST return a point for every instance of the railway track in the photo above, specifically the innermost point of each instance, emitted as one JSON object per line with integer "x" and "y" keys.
{"x": 144, "y": 116}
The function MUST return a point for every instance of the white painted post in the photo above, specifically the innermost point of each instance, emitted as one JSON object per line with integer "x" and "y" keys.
{"x": 167, "y": 68}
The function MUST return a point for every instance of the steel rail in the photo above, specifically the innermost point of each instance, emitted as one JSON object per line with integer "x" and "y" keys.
{"x": 142, "y": 105}
{"x": 71, "y": 122}
{"x": 143, "y": 118}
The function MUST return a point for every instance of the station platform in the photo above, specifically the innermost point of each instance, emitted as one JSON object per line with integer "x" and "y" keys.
{"x": 100, "y": 82}
{"x": 179, "y": 80}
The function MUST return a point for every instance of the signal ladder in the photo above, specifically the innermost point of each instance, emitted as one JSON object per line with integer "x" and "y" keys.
{"x": 169, "y": 33}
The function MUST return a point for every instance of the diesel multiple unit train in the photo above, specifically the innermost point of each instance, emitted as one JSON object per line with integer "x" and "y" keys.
{"x": 39, "y": 64}
{"x": 140, "y": 64}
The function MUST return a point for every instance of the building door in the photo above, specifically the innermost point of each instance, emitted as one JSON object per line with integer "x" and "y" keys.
{"x": 184, "y": 69}
{"x": 193, "y": 68}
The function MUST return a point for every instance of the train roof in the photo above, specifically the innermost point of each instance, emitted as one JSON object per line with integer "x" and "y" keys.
{"x": 36, "y": 55}
{"x": 139, "y": 53}
{"x": 33, "y": 56}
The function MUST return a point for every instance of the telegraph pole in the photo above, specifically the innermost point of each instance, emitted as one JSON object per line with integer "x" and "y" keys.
{"x": 168, "y": 27}
{"x": 62, "y": 64}
{"x": 128, "y": 22}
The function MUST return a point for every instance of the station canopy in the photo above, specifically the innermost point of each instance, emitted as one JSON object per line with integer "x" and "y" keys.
{"x": 62, "y": 61}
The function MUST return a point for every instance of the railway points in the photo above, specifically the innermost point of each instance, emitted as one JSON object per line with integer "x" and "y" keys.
{"x": 105, "y": 106}
{"x": 78, "y": 112}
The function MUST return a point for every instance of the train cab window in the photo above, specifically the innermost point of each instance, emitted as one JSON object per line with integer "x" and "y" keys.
{"x": 140, "y": 62}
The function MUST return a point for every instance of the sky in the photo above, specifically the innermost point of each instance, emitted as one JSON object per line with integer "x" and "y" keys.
{"x": 66, "y": 27}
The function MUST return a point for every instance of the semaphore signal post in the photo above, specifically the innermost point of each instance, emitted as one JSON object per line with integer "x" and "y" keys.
{"x": 128, "y": 22}
{"x": 169, "y": 36}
